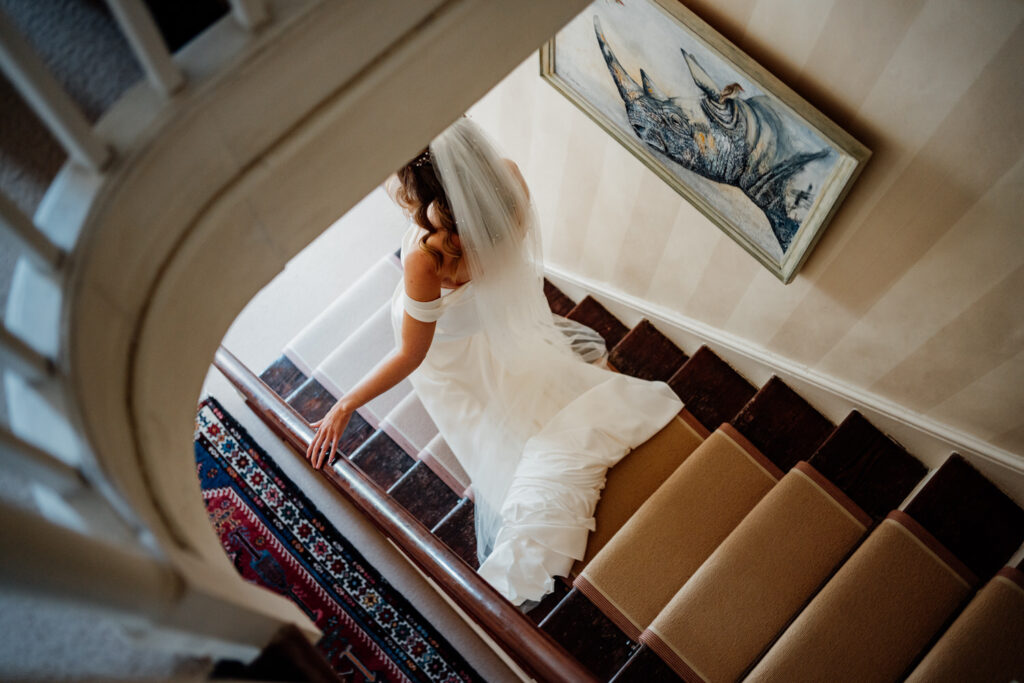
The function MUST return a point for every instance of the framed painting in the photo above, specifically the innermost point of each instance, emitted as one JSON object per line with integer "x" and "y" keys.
{"x": 758, "y": 160}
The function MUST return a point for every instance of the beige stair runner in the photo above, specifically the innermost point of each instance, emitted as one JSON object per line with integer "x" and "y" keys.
{"x": 986, "y": 642}
{"x": 676, "y": 529}
{"x": 758, "y": 579}
{"x": 637, "y": 476}
{"x": 876, "y": 614}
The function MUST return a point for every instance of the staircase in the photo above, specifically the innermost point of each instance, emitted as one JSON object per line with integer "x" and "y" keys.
{"x": 107, "y": 336}
{"x": 750, "y": 539}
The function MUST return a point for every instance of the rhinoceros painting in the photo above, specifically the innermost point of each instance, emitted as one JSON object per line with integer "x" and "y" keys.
{"x": 720, "y": 135}
{"x": 768, "y": 176}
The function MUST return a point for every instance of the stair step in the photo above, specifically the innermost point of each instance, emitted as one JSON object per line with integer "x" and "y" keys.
{"x": 645, "y": 667}
{"x": 969, "y": 515}
{"x": 676, "y": 529}
{"x": 422, "y": 493}
{"x": 869, "y": 467}
{"x": 382, "y": 460}
{"x": 311, "y": 400}
{"x": 346, "y": 314}
{"x": 438, "y": 455}
{"x": 903, "y": 584}
{"x": 634, "y": 478}
{"x": 780, "y": 554}
{"x": 877, "y": 614}
{"x": 282, "y": 376}
{"x": 558, "y": 302}
{"x": 458, "y": 532}
{"x": 595, "y": 316}
{"x": 346, "y": 366}
{"x": 710, "y": 389}
{"x": 550, "y": 601}
{"x": 588, "y": 635}
{"x": 646, "y": 353}
{"x": 410, "y": 425}
{"x": 355, "y": 435}
{"x": 758, "y": 578}
{"x": 782, "y": 425}
{"x": 986, "y": 642}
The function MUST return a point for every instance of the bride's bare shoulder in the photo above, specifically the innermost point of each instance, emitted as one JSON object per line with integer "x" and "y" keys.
{"x": 422, "y": 281}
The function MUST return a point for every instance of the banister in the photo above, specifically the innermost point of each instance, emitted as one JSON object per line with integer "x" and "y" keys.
{"x": 532, "y": 649}
{"x": 37, "y": 245}
{"x": 17, "y": 355}
{"x": 37, "y": 464}
{"x": 144, "y": 37}
{"x": 48, "y": 99}
{"x": 250, "y": 14}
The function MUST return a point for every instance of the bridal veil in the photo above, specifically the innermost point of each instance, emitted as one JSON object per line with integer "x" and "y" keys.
{"x": 545, "y": 424}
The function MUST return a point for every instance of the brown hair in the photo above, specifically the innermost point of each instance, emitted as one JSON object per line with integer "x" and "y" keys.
{"x": 415, "y": 187}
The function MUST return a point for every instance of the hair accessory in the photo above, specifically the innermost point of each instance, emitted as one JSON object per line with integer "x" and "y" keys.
{"x": 422, "y": 160}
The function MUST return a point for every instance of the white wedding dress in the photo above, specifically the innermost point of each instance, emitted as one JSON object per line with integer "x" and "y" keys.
{"x": 536, "y": 476}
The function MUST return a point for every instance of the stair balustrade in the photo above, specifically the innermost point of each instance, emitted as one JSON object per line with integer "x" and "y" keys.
{"x": 37, "y": 245}
{"x": 532, "y": 649}
{"x": 49, "y": 101}
{"x": 147, "y": 44}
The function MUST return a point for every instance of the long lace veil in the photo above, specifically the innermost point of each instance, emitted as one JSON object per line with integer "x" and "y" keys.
{"x": 497, "y": 226}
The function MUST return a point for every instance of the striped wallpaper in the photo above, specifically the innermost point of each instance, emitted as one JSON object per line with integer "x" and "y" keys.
{"x": 916, "y": 291}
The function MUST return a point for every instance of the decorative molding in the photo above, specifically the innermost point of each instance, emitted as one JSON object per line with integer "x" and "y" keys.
{"x": 966, "y": 444}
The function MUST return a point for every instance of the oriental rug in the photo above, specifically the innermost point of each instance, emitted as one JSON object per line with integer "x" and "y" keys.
{"x": 277, "y": 539}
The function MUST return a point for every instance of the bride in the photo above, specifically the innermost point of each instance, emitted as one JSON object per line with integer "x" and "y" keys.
{"x": 533, "y": 424}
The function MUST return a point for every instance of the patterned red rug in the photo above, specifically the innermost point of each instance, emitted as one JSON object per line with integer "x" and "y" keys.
{"x": 279, "y": 540}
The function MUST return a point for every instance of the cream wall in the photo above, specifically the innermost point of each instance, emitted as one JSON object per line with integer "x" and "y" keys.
{"x": 914, "y": 294}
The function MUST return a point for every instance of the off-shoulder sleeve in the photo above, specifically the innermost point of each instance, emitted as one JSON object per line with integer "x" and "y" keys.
{"x": 424, "y": 311}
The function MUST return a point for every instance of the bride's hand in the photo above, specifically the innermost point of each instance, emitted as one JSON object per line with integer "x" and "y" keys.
{"x": 328, "y": 431}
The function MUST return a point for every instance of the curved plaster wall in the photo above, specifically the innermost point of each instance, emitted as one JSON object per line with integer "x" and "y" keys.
{"x": 236, "y": 175}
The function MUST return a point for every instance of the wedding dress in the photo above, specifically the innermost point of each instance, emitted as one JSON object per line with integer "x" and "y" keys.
{"x": 534, "y": 426}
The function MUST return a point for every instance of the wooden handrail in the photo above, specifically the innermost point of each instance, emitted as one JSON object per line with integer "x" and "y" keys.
{"x": 532, "y": 649}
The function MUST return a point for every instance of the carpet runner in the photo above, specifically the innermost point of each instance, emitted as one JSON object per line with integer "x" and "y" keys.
{"x": 277, "y": 539}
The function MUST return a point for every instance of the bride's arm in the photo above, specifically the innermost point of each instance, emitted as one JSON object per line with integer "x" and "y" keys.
{"x": 422, "y": 284}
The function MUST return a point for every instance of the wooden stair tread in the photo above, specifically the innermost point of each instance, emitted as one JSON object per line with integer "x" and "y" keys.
{"x": 710, "y": 389}
{"x": 782, "y": 425}
{"x": 646, "y": 353}
{"x": 458, "y": 532}
{"x": 645, "y": 666}
{"x": 282, "y": 376}
{"x": 382, "y": 460}
{"x": 591, "y": 313}
{"x": 355, "y": 434}
{"x": 969, "y": 515}
{"x": 550, "y": 601}
{"x": 422, "y": 493}
{"x": 558, "y": 302}
{"x": 311, "y": 400}
{"x": 588, "y": 635}
{"x": 869, "y": 467}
